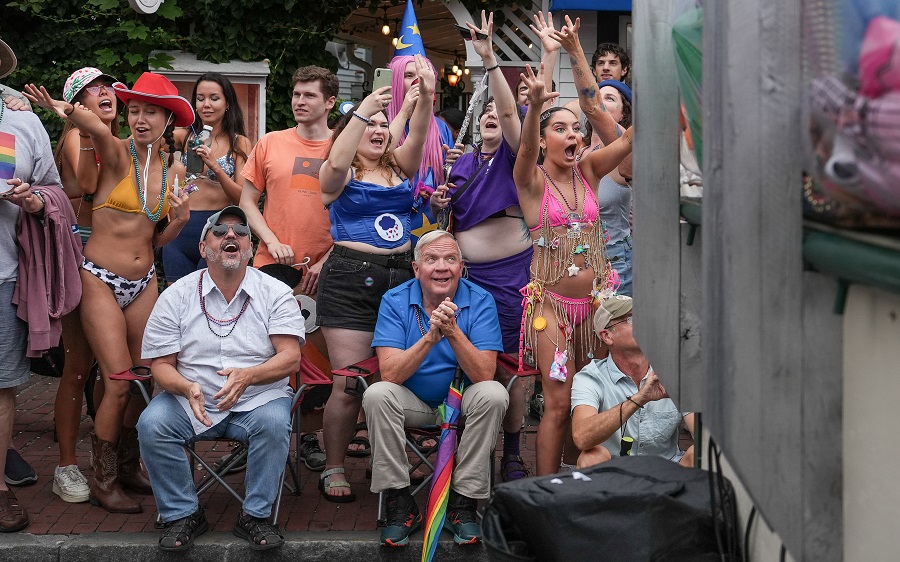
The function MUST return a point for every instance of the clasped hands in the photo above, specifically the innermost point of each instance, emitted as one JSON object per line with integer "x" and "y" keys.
{"x": 443, "y": 321}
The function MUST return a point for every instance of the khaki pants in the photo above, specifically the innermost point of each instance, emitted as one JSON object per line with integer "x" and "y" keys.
{"x": 391, "y": 407}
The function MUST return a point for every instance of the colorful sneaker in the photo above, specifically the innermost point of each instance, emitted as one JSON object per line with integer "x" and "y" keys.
{"x": 461, "y": 519}
{"x": 313, "y": 456}
{"x": 403, "y": 517}
{"x": 18, "y": 471}
{"x": 70, "y": 484}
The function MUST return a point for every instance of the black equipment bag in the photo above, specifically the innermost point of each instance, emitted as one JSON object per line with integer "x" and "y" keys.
{"x": 632, "y": 508}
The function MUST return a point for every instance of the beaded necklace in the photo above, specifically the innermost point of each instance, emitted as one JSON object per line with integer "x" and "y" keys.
{"x": 558, "y": 190}
{"x": 419, "y": 322}
{"x": 142, "y": 185}
{"x": 210, "y": 319}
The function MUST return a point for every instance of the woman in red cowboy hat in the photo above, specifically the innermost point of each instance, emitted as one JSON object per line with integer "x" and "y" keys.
{"x": 135, "y": 209}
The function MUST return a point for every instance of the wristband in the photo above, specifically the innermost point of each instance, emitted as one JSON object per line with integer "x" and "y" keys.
{"x": 365, "y": 120}
{"x": 495, "y": 67}
{"x": 67, "y": 113}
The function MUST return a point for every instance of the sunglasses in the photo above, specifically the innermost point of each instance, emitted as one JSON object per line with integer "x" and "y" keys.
{"x": 95, "y": 90}
{"x": 221, "y": 230}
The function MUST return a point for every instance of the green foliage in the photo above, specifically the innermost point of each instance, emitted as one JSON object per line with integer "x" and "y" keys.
{"x": 52, "y": 38}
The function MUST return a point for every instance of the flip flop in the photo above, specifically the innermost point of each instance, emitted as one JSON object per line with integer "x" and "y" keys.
{"x": 324, "y": 487}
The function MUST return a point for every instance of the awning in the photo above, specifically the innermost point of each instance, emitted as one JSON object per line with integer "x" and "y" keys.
{"x": 598, "y": 5}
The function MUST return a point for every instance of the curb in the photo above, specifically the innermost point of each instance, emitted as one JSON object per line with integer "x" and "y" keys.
{"x": 224, "y": 547}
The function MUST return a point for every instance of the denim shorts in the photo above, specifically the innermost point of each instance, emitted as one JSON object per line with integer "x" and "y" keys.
{"x": 14, "y": 368}
{"x": 621, "y": 260}
{"x": 351, "y": 286}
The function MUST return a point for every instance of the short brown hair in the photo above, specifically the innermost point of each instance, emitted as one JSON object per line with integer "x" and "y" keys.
{"x": 328, "y": 81}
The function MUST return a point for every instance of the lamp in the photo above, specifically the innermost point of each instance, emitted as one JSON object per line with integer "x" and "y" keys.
{"x": 385, "y": 27}
{"x": 452, "y": 79}
{"x": 455, "y": 67}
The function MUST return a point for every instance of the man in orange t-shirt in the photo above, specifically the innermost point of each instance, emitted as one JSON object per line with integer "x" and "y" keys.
{"x": 285, "y": 165}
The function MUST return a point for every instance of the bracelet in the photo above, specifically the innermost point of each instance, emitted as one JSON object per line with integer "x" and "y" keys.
{"x": 84, "y": 136}
{"x": 37, "y": 195}
{"x": 495, "y": 67}
{"x": 633, "y": 402}
{"x": 67, "y": 113}
{"x": 88, "y": 148}
{"x": 365, "y": 120}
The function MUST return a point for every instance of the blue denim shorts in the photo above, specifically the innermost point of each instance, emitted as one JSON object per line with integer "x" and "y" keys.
{"x": 14, "y": 369}
{"x": 351, "y": 286}
{"x": 621, "y": 260}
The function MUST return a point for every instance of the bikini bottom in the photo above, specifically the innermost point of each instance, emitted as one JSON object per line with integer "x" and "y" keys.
{"x": 125, "y": 290}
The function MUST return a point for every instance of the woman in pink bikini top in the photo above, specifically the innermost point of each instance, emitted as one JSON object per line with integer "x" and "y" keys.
{"x": 569, "y": 261}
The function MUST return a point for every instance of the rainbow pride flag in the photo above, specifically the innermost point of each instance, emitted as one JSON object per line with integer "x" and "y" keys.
{"x": 7, "y": 158}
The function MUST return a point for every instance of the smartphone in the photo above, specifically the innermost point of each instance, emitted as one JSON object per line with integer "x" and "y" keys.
{"x": 464, "y": 31}
{"x": 383, "y": 77}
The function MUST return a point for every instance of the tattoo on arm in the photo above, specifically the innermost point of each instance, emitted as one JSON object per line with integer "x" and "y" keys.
{"x": 589, "y": 93}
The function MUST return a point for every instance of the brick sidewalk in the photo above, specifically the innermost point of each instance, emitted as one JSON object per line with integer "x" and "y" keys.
{"x": 33, "y": 436}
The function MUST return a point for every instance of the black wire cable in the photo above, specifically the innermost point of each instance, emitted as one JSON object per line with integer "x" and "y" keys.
{"x": 712, "y": 499}
{"x": 750, "y": 519}
{"x": 783, "y": 553}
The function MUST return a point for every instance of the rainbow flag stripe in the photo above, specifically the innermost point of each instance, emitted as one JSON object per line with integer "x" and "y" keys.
{"x": 7, "y": 156}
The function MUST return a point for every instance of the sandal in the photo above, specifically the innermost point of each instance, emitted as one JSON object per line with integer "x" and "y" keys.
{"x": 255, "y": 530}
{"x": 325, "y": 487}
{"x": 512, "y": 467}
{"x": 184, "y": 531}
{"x": 360, "y": 440}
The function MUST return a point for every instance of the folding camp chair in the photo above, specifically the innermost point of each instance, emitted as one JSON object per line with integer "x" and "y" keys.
{"x": 140, "y": 378}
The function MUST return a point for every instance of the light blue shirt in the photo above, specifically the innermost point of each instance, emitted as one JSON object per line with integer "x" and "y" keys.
{"x": 178, "y": 325}
{"x": 654, "y": 427}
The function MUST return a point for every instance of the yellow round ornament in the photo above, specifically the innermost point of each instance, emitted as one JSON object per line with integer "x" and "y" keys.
{"x": 539, "y": 323}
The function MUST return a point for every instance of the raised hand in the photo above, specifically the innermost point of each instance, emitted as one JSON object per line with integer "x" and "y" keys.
{"x": 545, "y": 30}
{"x": 426, "y": 77}
{"x": 375, "y": 102}
{"x": 42, "y": 98}
{"x": 537, "y": 96}
{"x": 484, "y": 47}
{"x": 567, "y": 35}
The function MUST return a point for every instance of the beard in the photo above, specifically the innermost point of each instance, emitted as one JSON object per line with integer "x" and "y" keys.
{"x": 215, "y": 256}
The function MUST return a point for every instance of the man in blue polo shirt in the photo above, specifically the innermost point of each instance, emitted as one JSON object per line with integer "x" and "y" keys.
{"x": 426, "y": 327}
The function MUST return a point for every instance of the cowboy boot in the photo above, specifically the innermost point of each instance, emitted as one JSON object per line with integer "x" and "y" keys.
{"x": 132, "y": 474}
{"x": 105, "y": 489}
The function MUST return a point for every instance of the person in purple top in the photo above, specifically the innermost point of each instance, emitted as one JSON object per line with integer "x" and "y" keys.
{"x": 488, "y": 223}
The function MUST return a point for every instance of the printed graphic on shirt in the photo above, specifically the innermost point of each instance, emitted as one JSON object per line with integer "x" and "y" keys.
{"x": 389, "y": 227}
{"x": 7, "y": 159}
{"x": 305, "y": 175}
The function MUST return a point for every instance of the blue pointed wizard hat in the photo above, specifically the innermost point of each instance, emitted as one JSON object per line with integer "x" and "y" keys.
{"x": 409, "y": 40}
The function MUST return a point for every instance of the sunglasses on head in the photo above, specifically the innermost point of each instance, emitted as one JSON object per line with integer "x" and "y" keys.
{"x": 221, "y": 230}
{"x": 95, "y": 90}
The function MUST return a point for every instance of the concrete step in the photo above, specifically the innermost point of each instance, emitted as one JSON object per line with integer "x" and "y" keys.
{"x": 355, "y": 546}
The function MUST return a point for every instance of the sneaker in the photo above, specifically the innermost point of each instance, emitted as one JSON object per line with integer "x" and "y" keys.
{"x": 70, "y": 484}
{"x": 403, "y": 517}
{"x": 18, "y": 471}
{"x": 313, "y": 456}
{"x": 461, "y": 519}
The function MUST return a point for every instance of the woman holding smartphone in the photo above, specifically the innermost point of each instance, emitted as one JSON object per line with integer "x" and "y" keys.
{"x": 367, "y": 190}
{"x": 135, "y": 209}
{"x": 216, "y": 105}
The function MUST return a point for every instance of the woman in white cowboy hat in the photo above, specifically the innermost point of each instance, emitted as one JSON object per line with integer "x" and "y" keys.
{"x": 135, "y": 209}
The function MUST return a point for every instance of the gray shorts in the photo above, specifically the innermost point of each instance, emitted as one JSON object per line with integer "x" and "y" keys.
{"x": 14, "y": 366}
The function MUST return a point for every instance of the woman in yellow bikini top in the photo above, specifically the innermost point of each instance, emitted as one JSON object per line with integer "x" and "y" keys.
{"x": 137, "y": 209}
{"x": 569, "y": 261}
